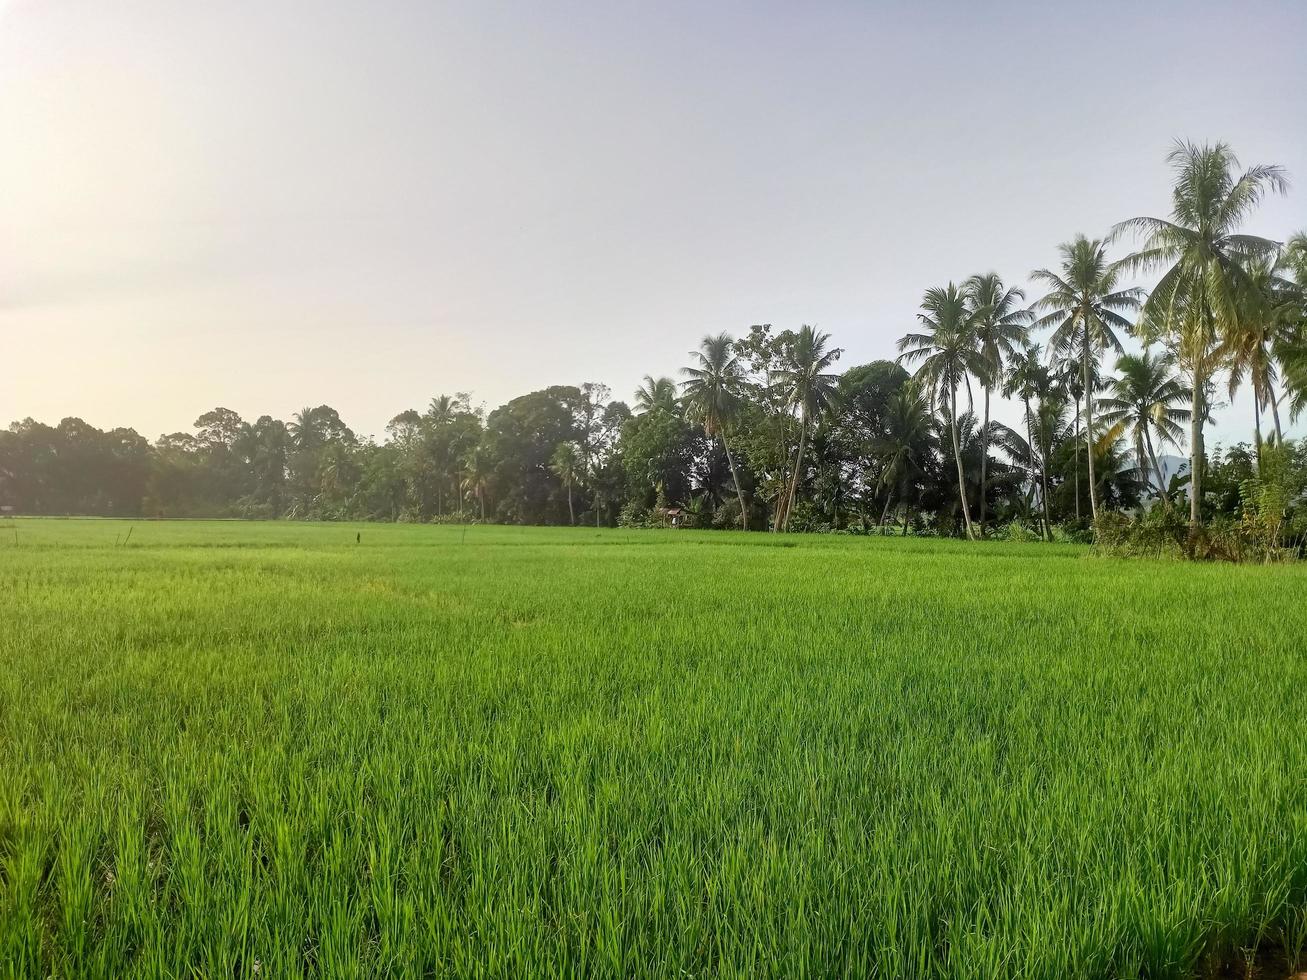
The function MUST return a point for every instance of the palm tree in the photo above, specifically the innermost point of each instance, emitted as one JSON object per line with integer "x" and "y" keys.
{"x": 1267, "y": 312}
{"x": 567, "y": 465}
{"x": 1067, "y": 383}
{"x": 655, "y": 393}
{"x": 1027, "y": 379}
{"x": 1146, "y": 399}
{"x": 1290, "y": 345}
{"x": 712, "y": 396}
{"x": 1084, "y": 306}
{"x": 1206, "y": 282}
{"x": 441, "y": 413}
{"x": 303, "y": 429}
{"x": 476, "y": 475}
{"x": 909, "y": 437}
{"x": 811, "y": 390}
{"x": 441, "y": 409}
{"x": 999, "y": 324}
{"x": 948, "y": 354}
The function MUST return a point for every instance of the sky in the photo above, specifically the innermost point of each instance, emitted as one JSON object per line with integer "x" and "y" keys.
{"x": 269, "y": 204}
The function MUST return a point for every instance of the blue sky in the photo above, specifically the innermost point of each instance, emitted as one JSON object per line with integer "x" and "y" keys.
{"x": 270, "y": 204}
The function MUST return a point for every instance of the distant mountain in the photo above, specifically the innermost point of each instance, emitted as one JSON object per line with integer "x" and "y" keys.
{"x": 1171, "y": 465}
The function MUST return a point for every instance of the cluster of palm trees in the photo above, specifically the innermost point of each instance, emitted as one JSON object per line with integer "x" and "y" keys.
{"x": 717, "y": 386}
{"x": 1224, "y": 302}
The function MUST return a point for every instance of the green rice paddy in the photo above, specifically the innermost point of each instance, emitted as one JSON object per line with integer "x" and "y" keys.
{"x": 278, "y": 750}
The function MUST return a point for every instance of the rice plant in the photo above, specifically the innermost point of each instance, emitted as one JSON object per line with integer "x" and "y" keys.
{"x": 276, "y": 750}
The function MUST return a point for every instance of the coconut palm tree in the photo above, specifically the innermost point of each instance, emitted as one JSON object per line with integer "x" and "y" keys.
{"x": 1004, "y": 480}
{"x": 999, "y": 322}
{"x": 947, "y": 354}
{"x": 711, "y": 390}
{"x": 1290, "y": 345}
{"x": 303, "y": 429}
{"x": 1084, "y": 306}
{"x": 1027, "y": 378}
{"x": 810, "y": 390}
{"x": 655, "y": 393}
{"x": 476, "y": 475}
{"x": 1068, "y": 385}
{"x": 1146, "y": 399}
{"x": 567, "y": 465}
{"x": 1271, "y": 309}
{"x": 906, "y": 443}
{"x": 1206, "y": 282}
{"x": 442, "y": 409}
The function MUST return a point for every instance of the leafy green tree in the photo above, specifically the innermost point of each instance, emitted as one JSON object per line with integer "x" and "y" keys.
{"x": 853, "y": 455}
{"x": 658, "y": 450}
{"x": 521, "y": 437}
{"x": 407, "y": 431}
{"x": 765, "y": 429}
{"x": 1205, "y": 283}
{"x": 1084, "y": 306}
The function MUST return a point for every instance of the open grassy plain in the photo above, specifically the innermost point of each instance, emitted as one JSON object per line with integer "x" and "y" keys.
{"x": 230, "y": 750}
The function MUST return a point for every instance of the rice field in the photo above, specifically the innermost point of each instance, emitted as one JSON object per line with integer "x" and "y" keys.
{"x": 280, "y": 750}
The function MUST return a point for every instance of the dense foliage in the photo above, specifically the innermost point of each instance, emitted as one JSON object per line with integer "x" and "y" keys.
{"x": 765, "y": 433}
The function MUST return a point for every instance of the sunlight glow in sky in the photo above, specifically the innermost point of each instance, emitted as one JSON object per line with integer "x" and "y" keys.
{"x": 264, "y": 204}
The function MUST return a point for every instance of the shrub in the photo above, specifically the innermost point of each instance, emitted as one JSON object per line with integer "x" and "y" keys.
{"x": 634, "y": 514}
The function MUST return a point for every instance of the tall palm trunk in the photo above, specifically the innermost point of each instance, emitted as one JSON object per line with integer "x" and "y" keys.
{"x": 1275, "y": 413}
{"x": 884, "y": 514}
{"x": 798, "y": 466}
{"x": 1257, "y": 424}
{"x": 1078, "y": 403}
{"x": 957, "y": 458}
{"x": 984, "y": 459}
{"x": 571, "y": 514}
{"x": 1157, "y": 469}
{"x": 1196, "y": 453}
{"x": 1040, "y": 488}
{"x": 1141, "y": 457}
{"x": 735, "y": 476}
{"x": 783, "y": 495}
{"x": 1043, "y": 466}
{"x": 1089, "y": 424}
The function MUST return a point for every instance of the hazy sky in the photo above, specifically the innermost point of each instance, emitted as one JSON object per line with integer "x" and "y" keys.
{"x": 265, "y": 204}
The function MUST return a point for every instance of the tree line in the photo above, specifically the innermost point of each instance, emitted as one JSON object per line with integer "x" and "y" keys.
{"x": 762, "y": 432}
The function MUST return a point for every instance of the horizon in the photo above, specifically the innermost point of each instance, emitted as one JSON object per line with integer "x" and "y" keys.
{"x": 368, "y": 208}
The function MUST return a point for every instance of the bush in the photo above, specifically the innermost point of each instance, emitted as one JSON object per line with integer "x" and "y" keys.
{"x": 634, "y": 514}
{"x": 1016, "y": 531}
{"x": 1162, "y": 532}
